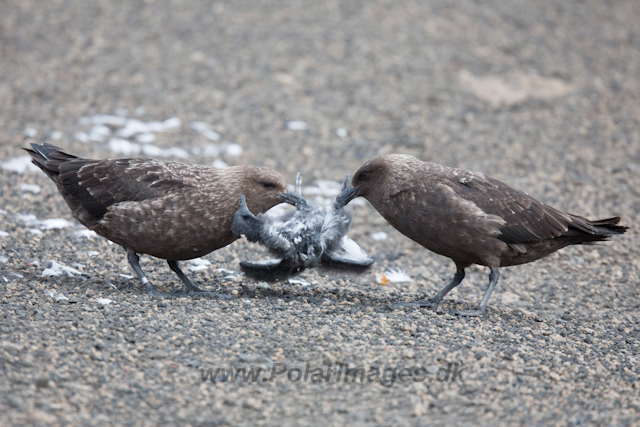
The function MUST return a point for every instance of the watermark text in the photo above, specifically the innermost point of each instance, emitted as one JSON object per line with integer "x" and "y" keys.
{"x": 385, "y": 376}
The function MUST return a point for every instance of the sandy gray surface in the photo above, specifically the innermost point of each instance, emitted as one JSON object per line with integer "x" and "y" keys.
{"x": 544, "y": 97}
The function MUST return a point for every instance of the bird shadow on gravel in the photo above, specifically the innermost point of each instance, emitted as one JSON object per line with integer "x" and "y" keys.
{"x": 283, "y": 273}
{"x": 353, "y": 300}
{"x": 333, "y": 298}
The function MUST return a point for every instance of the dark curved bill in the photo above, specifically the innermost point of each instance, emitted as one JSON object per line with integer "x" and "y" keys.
{"x": 347, "y": 195}
{"x": 292, "y": 198}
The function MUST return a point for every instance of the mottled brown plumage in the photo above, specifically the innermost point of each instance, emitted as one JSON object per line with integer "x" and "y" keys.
{"x": 170, "y": 210}
{"x": 470, "y": 218}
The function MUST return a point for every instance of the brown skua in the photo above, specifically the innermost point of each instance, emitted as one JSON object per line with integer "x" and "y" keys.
{"x": 170, "y": 210}
{"x": 470, "y": 218}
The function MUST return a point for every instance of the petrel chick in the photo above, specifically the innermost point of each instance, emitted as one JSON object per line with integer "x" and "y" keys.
{"x": 302, "y": 237}
{"x": 470, "y": 218}
{"x": 169, "y": 210}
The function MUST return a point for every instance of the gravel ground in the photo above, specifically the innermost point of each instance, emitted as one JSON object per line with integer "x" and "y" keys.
{"x": 545, "y": 97}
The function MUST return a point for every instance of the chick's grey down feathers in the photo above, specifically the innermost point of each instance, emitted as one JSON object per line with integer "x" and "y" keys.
{"x": 469, "y": 217}
{"x": 169, "y": 210}
{"x": 304, "y": 236}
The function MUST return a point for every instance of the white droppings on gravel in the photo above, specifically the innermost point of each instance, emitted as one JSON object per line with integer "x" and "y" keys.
{"x": 92, "y": 253}
{"x": 56, "y": 295}
{"x": 231, "y": 149}
{"x": 297, "y": 125}
{"x": 30, "y": 132}
{"x": 27, "y": 219}
{"x": 54, "y": 268}
{"x": 379, "y": 235}
{"x": 20, "y": 165}
{"x": 230, "y": 274}
{"x": 123, "y": 112}
{"x": 142, "y": 132}
{"x": 135, "y": 126}
{"x": 100, "y": 129}
{"x": 83, "y": 232}
{"x": 104, "y": 301}
{"x": 197, "y": 264}
{"x": 146, "y": 138}
{"x": 155, "y": 126}
{"x": 172, "y": 123}
{"x": 220, "y": 164}
{"x": 134, "y": 137}
{"x": 102, "y": 119}
{"x": 30, "y": 220}
{"x": 3, "y": 234}
{"x": 55, "y": 223}
{"x": 3, "y": 259}
{"x": 342, "y": 132}
{"x": 205, "y": 130}
{"x": 81, "y": 136}
{"x": 99, "y": 133}
{"x": 30, "y": 188}
{"x": 152, "y": 150}
{"x": 211, "y": 150}
{"x": 123, "y": 146}
{"x": 35, "y": 231}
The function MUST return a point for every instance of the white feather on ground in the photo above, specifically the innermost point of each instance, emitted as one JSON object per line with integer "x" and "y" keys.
{"x": 54, "y": 268}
